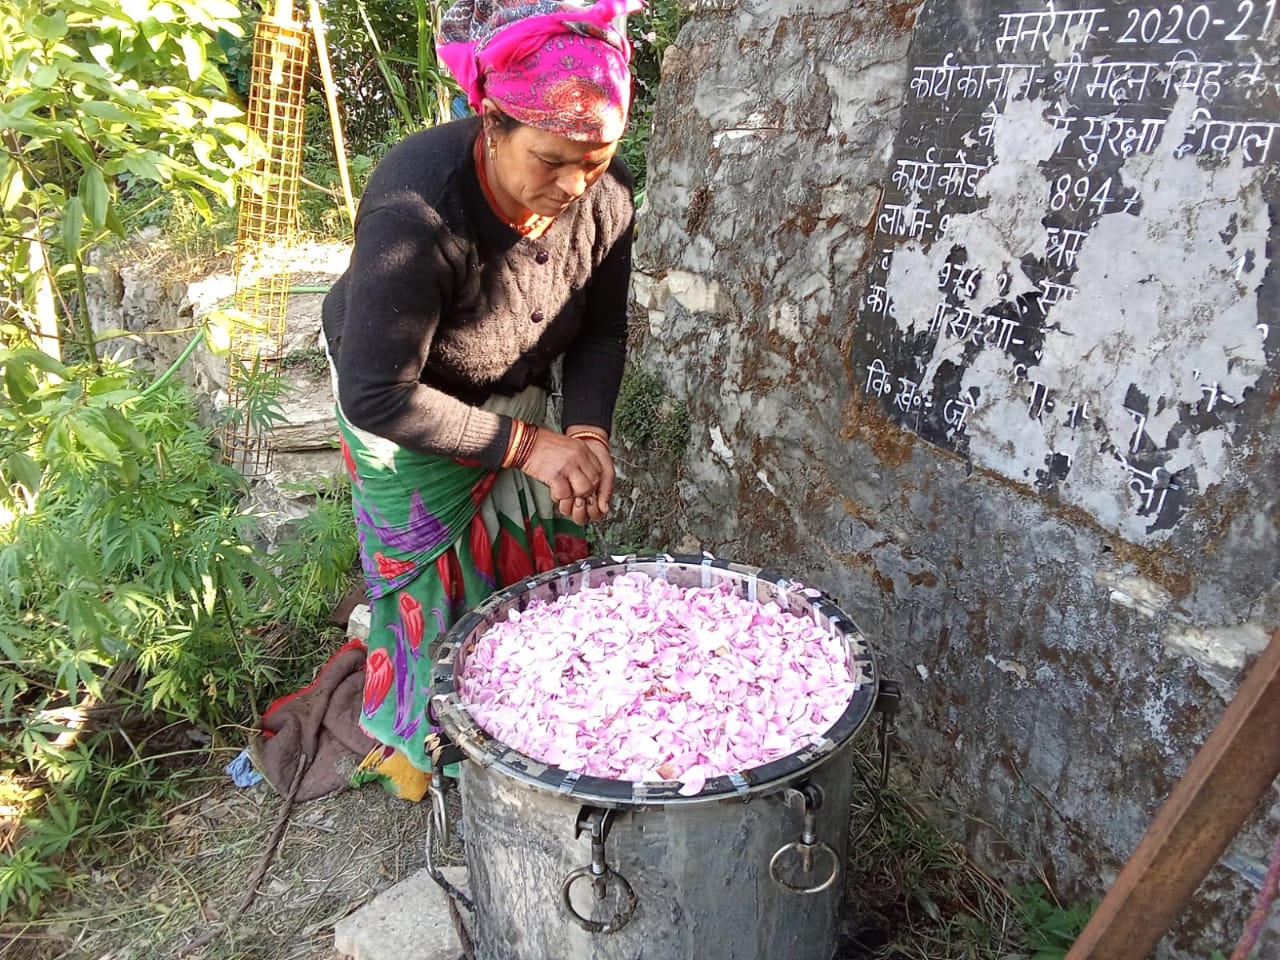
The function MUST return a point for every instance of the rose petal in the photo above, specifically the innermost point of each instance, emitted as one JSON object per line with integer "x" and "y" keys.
{"x": 646, "y": 680}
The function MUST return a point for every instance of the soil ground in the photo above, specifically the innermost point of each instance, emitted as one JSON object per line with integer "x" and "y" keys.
{"x": 171, "y": 885}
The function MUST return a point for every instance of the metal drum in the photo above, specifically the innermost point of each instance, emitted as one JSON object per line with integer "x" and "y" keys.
{"x": 571, "y": 867}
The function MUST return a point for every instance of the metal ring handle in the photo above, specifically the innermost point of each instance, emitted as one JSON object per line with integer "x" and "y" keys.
{"x": 820, "y": 845}
{"x": 618, "y": 920}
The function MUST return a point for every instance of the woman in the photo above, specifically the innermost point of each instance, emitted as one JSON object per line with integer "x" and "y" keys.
{"x": 485, "y": 250}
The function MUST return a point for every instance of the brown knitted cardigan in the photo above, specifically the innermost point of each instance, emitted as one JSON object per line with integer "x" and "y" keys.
{"x": 444, "y": 305}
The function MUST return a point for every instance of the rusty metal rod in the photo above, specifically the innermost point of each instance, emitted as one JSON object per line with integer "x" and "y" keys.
{"x": 1228, "y": 777}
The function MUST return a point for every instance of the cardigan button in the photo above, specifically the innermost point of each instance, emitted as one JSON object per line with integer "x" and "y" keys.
{"x": 541, "y": 256}
{"x": 537, "y": 316}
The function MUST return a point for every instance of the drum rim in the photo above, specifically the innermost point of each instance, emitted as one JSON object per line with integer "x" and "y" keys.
{"x": 446, "y": 710}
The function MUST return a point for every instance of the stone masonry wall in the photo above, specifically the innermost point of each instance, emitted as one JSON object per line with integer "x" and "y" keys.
{"x": 1058, "y": 674}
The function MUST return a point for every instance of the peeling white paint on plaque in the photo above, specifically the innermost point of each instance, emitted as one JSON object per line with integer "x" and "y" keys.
{"x": 1070, "y": 257}
{"x": 1163, "y": 324}
{"x": 1165, "y": 311}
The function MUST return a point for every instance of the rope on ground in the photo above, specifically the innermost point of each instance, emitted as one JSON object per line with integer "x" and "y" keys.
{"x": 455, "y": 897}
{"x": 1266, "y": 897}
{"x": 460, "y": 928}
{"x": 273, "y": 842}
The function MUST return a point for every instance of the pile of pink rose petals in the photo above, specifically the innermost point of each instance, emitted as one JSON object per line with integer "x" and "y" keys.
{"x": 642, "y": 680}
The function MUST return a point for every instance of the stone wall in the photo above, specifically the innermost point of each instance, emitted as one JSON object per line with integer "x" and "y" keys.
{"x": 1060, "y": 667}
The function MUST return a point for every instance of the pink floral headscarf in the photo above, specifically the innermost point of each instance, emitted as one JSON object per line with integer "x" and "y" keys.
{"x": 553, "y": 64}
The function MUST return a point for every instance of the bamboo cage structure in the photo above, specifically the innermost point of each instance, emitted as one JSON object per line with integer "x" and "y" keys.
{"x": 266, "y": 230}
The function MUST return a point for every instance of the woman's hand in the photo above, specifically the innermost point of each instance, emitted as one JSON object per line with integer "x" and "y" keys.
{"x": 598, "y": 442}
{"x": 573, "y": 473}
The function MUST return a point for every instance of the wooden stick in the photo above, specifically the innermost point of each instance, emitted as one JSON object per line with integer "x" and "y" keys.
{"x": 283, "y": 15}
{"x": 1224, "y": 784}
{"x": 321, "y": 188}
{"x": 331, "y": 98}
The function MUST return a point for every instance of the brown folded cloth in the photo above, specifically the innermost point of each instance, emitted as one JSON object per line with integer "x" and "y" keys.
{"x": 322, "y": 723}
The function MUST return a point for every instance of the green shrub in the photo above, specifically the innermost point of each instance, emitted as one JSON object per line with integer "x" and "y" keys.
{"x": 124, "y": 542}
{"x": 317, "y": 563}
{"x": 129, "y": 583}
{"x": 1048, "y": 927}
{"x": 385, "y": 70}
{"x": 647, "y": 418}
{"x": 103, "y": 97}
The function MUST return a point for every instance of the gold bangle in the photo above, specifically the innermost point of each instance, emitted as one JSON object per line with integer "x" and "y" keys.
{"x": 513, "y": 443}
{"x": 525, "y": 450}
{"x": 590, "y": 435}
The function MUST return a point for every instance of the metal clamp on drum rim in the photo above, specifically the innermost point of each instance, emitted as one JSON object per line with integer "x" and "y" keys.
{"x": 619, "y": 919}
{"x": 810, "y": 795}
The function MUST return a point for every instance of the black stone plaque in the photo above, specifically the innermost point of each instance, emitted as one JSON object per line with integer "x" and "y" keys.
{"x": 1006, "y": 303}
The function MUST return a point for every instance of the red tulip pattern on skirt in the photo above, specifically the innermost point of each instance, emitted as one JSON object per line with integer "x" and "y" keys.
{"x": 437, "y": 536}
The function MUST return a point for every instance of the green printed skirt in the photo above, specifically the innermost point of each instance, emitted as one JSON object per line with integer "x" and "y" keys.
{"x": 438, "y": 536}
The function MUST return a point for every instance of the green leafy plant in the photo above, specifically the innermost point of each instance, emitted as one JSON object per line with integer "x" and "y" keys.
{"x": 128, "y": 580}
{"x": 427, "y": 99}
{"x": 100, "y": 96}
{"x": 646, "y": 417}
{"x": 312, "y": 361}
{"x": 26, "y": 878}
{"x": 389, "y": 82}
{"x": 1049, "y": 927}
{"x": 673, "y": 429}
{"x": 237, "y": 48}
{"x": 124, "y": 534}
{"x": 259, "y": 386}
{"x": 317, "y": 562}
{"x": 132, "y": 589}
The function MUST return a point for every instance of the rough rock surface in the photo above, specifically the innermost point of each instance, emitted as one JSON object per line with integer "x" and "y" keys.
{"x": 409, "y": 920}
{"x": 1058, "y": 676}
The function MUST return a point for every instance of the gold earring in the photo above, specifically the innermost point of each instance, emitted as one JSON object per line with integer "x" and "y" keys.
{"x": 489, "y": 143}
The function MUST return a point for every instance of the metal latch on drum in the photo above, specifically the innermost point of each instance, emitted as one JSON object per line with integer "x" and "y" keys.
{"x": 808, "y": 847}
{"x": 598, "y": 823}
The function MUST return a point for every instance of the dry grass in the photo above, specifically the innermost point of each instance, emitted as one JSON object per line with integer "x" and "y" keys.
{"x": 171, "y": 883}
{"x": 912, "y": 893}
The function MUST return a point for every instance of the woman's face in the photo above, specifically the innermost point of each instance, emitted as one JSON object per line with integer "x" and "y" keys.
{"x": 543, "y": 172}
